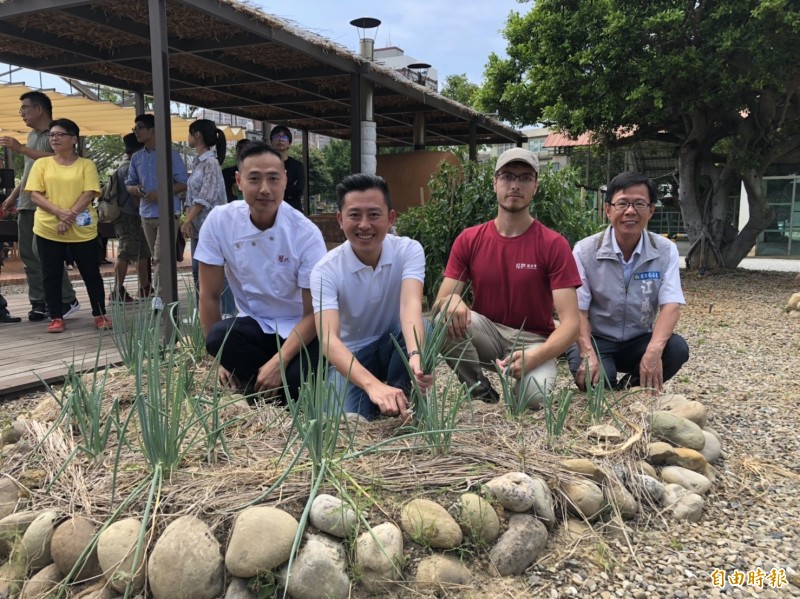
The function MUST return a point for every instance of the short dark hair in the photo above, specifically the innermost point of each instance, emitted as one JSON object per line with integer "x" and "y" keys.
{"x": 362, "y": 182}
{"x": 148, "y": 120}
{"x": 39, "y": 99}
{"x": 629, "y": 179}
{"x": 281, "y": 129}
{"x": 131, "y": 143}
{"x": 240, "y": 146}
{"x": 256, "y": 148}
{"x": 67, "y": 125}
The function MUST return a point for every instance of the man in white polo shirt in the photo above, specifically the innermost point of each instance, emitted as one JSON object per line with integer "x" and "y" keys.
{"x": 266, "y": 249}
{"x": 366, "y": 292}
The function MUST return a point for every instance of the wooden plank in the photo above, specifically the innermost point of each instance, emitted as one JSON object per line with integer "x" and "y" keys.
{"x": 26, "y": 349}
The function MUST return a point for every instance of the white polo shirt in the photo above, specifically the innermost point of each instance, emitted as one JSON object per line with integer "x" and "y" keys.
{"x": 266, "y": 270}
{"x": 368, "y": 300}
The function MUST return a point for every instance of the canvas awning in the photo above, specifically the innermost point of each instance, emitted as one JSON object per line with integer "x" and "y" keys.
{"x": 93, "y": 117}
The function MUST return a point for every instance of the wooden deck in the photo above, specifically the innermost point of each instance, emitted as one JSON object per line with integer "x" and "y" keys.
{"x": 28, "y": 352}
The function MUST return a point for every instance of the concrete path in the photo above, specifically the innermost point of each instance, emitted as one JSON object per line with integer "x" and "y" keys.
{"x": 773, "y": 264}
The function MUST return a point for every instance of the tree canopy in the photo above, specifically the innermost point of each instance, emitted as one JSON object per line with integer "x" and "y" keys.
{"x": 460, "y": 89}
{"x": 718, "y": 78}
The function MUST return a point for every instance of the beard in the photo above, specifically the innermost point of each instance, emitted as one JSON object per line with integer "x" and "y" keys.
{"x": 514, "y": 208}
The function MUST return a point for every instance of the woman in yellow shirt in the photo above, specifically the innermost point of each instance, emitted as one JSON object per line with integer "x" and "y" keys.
{"x": 63, "y": 187}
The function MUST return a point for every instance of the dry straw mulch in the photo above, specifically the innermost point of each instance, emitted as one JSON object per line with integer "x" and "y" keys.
{"x": 743, "y": 367}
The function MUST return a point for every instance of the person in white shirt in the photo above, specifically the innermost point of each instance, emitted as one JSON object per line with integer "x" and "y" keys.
{"x": 266, "y": 249}
{"x": 365, "y": 293}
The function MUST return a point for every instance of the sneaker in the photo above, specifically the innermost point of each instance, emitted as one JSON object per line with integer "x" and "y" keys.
{"x": 485, "y": 392}
{"x": 103, "y": 322}
{"x": 38, "y": 312}
{"x": 5, "y": 316}
{"x": 70, "y": 309}
{"x": 56, "y": 326}
{"x": 121, "y": 296}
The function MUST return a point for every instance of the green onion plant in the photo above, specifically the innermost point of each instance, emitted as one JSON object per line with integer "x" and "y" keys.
{"x": 133, "y": 326}
{"x": 516, "y": 403}
{"x": 164, "y": 381}
{"x": 192, "y": 336}
{"x": 556, "y": 406}
{"x": 436, "y": 409}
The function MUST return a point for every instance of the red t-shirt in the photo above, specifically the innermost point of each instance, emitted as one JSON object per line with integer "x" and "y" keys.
{"x": 513, "y": 277}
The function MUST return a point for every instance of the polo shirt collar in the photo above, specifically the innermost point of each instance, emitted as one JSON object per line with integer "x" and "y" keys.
{"x": 354, "y": 264}
{"x": 637, "y": 251}
{"x": 206, "y": 155}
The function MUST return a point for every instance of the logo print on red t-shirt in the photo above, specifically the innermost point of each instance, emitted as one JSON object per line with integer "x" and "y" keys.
{"x": 526, "y": 266}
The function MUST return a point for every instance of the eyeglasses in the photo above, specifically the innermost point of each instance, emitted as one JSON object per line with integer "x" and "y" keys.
{"x": 139, "y": 127}
{"x": 525, "y": 179}
{"x": 25, "y": 107}
{"x": 280, "y": 137}
{"x": 622, "y": 205}
{"x": 59, "y": 135}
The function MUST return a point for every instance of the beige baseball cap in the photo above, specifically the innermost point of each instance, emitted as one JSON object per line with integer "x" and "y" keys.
{"x": 517, "y": 155}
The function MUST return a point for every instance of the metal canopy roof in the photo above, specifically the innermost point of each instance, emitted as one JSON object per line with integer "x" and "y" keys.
{"x": 229, "y": 57}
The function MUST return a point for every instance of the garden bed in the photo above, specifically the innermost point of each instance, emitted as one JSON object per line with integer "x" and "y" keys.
{"x": 742, "y": 349}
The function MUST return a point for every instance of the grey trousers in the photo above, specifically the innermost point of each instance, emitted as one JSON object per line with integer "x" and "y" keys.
{"x": 29, "y": 254}
{"x": 488, "y": 341}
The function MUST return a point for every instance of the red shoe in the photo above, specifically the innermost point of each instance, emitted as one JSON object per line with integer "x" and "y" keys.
{"x": 56, "y": 326}
{"x": 103, "y": 322}
{"x": 121, "y": 296}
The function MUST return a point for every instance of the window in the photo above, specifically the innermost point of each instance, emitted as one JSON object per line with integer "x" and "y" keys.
{"x": 535, "y": 145}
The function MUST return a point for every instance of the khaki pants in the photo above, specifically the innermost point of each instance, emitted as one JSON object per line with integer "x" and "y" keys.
{"x": 488, "y": 341}
{"x": 152, "y": 233}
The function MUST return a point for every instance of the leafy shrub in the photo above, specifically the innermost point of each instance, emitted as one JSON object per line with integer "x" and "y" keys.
{"x": 463, "y": 196}
{"x": 558, "y": 205}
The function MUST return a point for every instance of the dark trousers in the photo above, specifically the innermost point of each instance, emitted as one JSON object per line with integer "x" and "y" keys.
{"x": 625, "y": 356}
{"x": 247, "y": 348}
{"x": 52, "y": 255}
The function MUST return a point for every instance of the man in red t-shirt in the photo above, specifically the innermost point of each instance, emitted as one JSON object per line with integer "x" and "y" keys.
{"x": 519, "y": 271}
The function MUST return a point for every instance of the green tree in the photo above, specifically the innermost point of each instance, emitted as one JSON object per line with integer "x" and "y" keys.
{"x": 718, "y": 78}
{"x": 319, "y": 175}
{"x": 337, "y": 157}
{"x": 106, "y": 152}
{"x": 460, "y": 89}
{"x": 463, "y": 196}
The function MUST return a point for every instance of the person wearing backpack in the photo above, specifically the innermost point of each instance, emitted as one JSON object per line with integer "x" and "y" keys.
{"x": 131, "y": 243}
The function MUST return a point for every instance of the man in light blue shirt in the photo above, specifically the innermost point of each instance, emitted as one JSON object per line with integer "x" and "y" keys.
{"x": 630, "y": 298}
{"x": 142, "y": 182}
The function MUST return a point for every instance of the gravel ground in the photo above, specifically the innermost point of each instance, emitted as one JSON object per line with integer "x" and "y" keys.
{"x": 744, "y": 368}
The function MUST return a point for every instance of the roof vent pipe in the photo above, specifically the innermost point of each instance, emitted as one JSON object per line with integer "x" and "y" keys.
{"x": 366, "y": 46}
